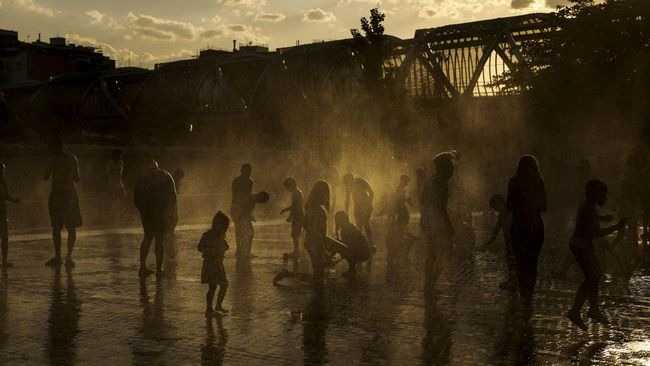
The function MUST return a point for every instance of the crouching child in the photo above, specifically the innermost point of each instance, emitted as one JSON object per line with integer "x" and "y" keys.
{"x": 357, "y": 248}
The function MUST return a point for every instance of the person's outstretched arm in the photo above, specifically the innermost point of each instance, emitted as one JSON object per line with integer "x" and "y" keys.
{"x": 611, "y": 229}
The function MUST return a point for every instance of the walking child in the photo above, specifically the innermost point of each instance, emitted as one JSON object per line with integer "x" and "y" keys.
{"x": 213, "y": 247}
{"x": 582, "y": 245}
{"x": 296, "y": 214}
{"x": 504, "y": 220}
{"x": 4, "y": 230}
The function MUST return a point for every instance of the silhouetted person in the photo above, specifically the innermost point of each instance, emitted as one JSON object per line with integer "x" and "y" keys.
{"x": 5, "y": 197}
{"x": 155, "y": 198}
{"x": 316, "y": 209}
{"x": 504, "y": 222}
{"x": 362, "y": 195}
{"x": 397, "y": 243}
{"x": 357, "y": 249}
{"x": 241, "y": 211}
{"x": 63, "y": 170}
{"x": 296, "y": 214}
{"x": 435, "y": 222}
{"x": 582, "y": 245}
{"x": 213, "y": 247}
{"x": 526, "y": 202}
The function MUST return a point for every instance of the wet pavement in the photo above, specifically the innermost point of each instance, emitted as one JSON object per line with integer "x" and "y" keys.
{"x": 99, "y": 313}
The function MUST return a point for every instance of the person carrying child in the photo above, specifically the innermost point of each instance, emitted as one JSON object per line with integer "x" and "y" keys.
{"x": 213, "y": 247}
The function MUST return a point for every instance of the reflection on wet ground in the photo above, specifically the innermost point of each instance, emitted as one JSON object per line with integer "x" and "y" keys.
{"x": 100, "y": 313}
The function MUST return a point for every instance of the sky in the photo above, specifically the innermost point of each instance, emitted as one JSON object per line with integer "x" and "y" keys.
{"x": 145, "y": 32}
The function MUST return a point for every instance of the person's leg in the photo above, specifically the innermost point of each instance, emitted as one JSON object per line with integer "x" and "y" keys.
{"x": 159, "y": 249}
{"x": 368, "y": 230}
{"x": 239, "y": 235}
{"x": 352, "y": 268}
{"x": 296, "y": 247}
{"x": 56, "y": 239}
{"x": 250, "y": 235}
{"x": 72, "y": 239}
{"x": 511, "y": 263}
{"x": 144, "y": 253}
{"x": 581, "y": 294}
{"x": 209, "y": 298}
{"x": 223, "y": 288}
{"x": 592, "y": 279}
{"x": 529, "y": 277}
{"x": 317, "y": 267}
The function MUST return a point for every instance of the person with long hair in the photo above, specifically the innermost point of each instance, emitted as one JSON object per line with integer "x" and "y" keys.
{"x": 527, "y": 201}
{"x": 316, "y": 209}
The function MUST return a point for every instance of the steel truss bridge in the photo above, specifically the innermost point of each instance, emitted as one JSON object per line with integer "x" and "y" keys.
{"x": 439, "y": 64}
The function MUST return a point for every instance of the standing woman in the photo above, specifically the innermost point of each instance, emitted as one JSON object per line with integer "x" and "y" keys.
{"x": 316, "y": 209}
{"x": 526, "y": 201}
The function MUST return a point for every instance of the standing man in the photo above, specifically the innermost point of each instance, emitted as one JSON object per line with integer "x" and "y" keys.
{"x": 63, "y": 170}
{"x": 155, "y": 198}
{"x": 241, "y": 211}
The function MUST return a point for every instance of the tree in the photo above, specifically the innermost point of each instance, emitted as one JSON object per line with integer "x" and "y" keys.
{"x": 371, "y": 46}
{"x": 595, "y": 71}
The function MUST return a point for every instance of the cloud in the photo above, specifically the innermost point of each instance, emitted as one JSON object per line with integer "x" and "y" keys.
{"x": 96, "y": 16}
{"x": 162, "y": 29}
{"x": 154, "y": 34}
{"x": 465, "y": 10}
{"x": 32, "y": 6}
{"x": 125, "y": 56}
{"x": 427, "y": 13}
{"x": 377, "y": 3}
{"x": 213, "y": 33}
{"x": 318, "y": 15}
{"x": 270, "y": 17}
{"x": 240, "y": 32}
{"x": 243, "y": 3}
{"x": 555, "y": 3}
{"x": 521, "y": 4}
